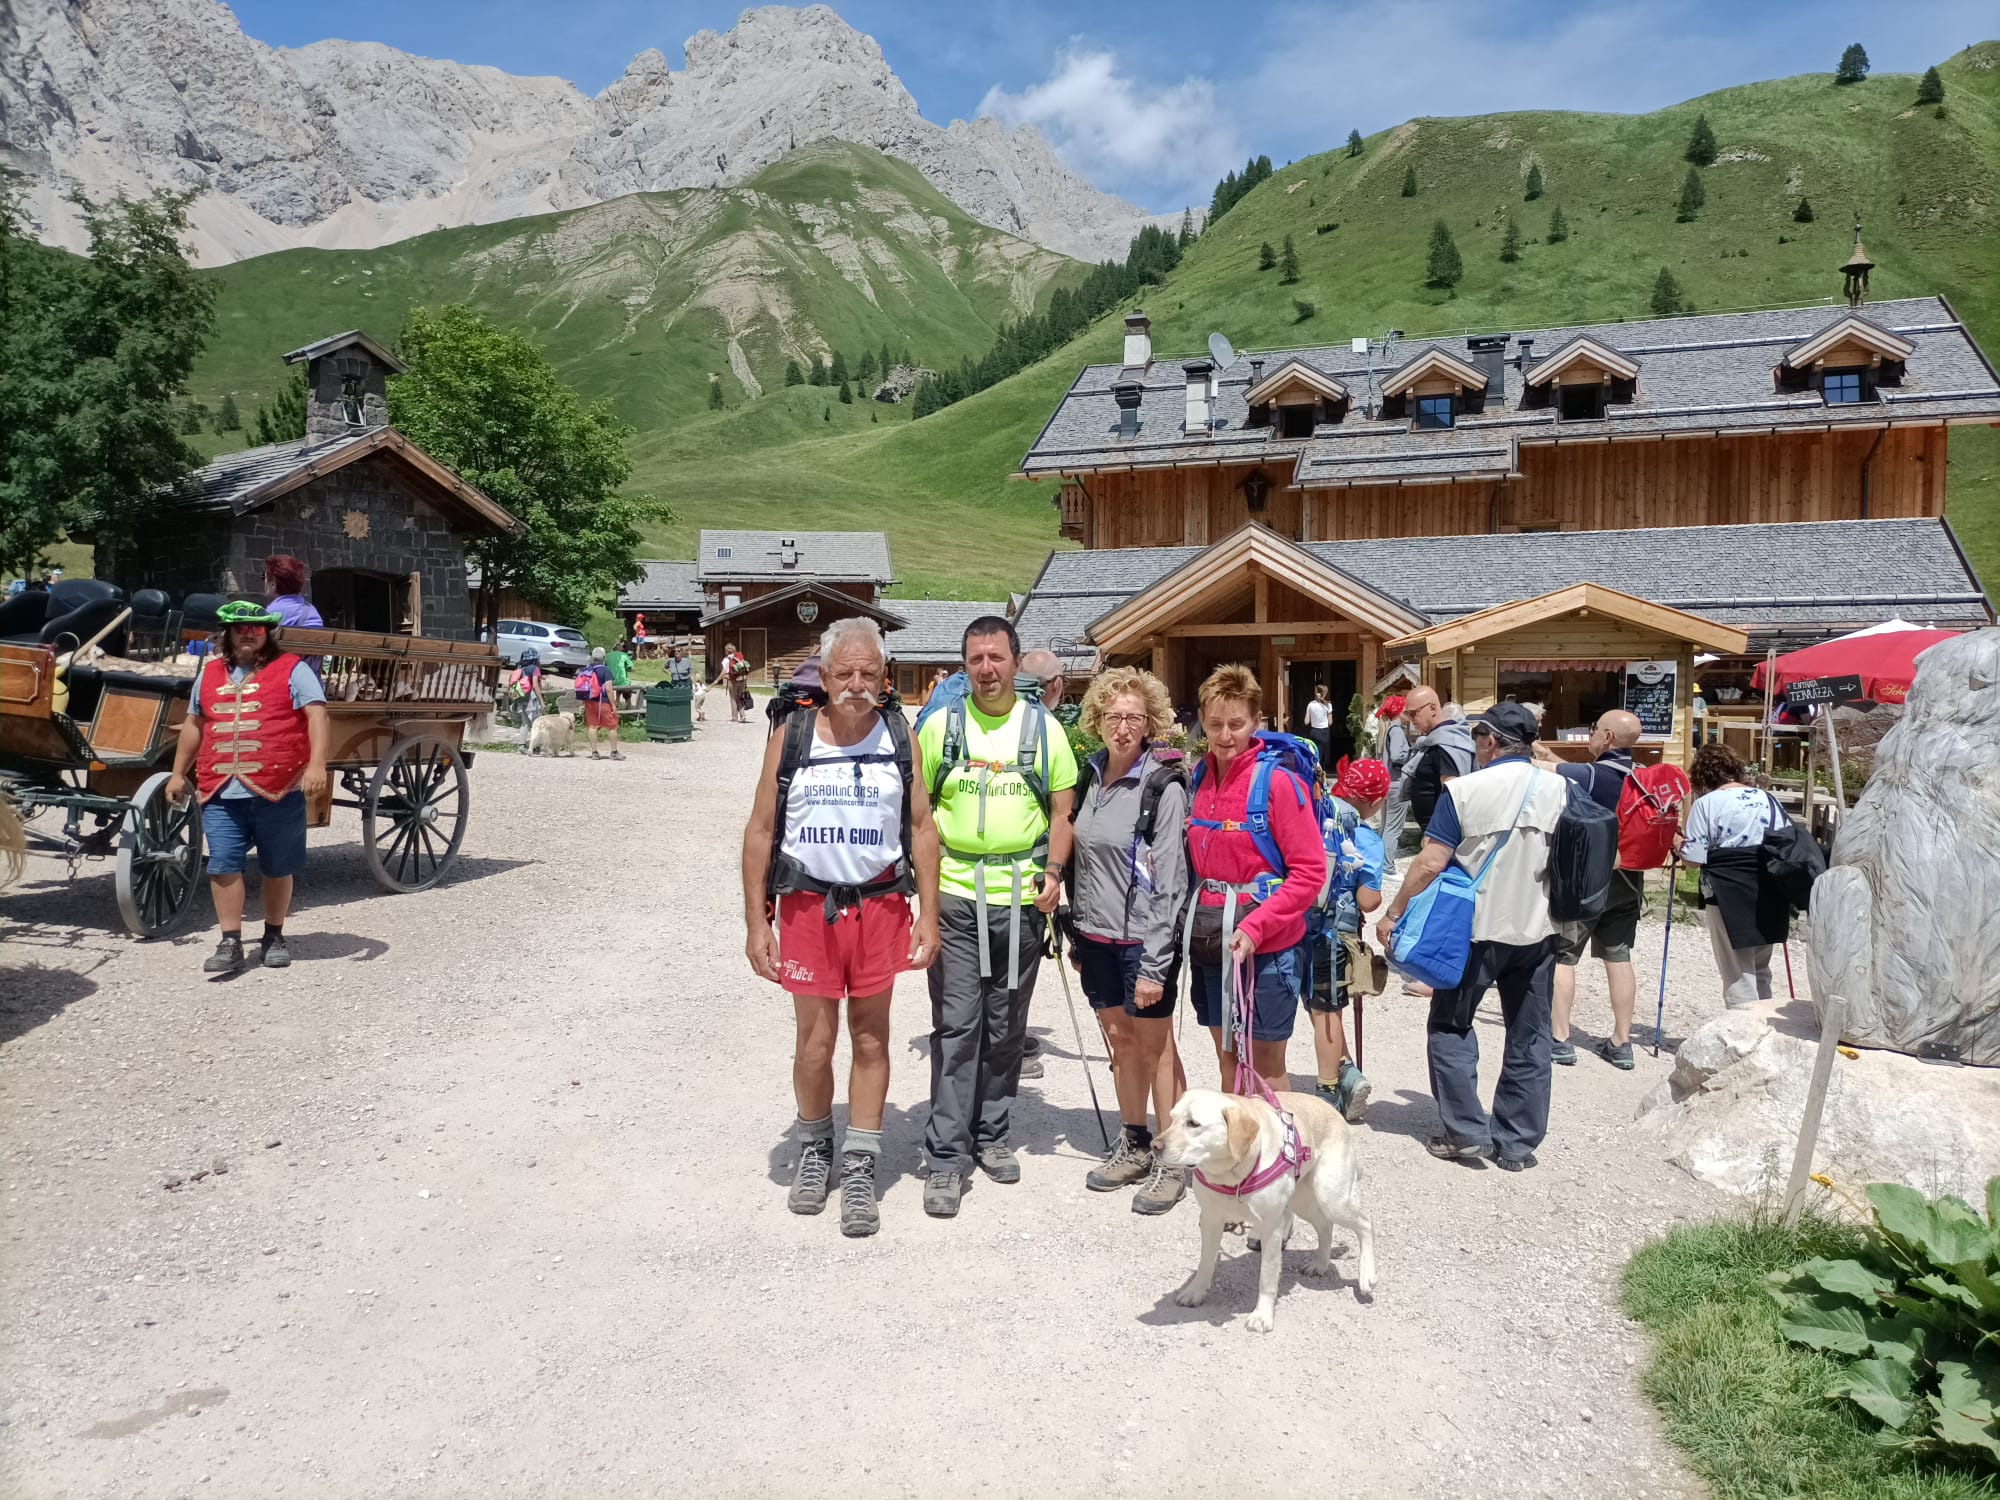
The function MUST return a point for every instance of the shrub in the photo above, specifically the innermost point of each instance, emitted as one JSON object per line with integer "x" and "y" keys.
{"x": 1304, "y": 310}
{"x": 1803, "y": 214}
{"x": 1917, "y": 1314}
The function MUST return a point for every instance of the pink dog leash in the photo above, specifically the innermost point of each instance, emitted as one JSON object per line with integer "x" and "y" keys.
{"x": 1294, "y": 1153}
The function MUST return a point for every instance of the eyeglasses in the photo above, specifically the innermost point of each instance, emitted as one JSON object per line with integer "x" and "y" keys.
{"x": 1124, "y": 721}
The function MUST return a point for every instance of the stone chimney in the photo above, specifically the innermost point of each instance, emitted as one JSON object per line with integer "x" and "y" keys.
{"x": 347, "y": 385}
{"x": 1138, "y": 340}
{"x": 1200, "y": 372}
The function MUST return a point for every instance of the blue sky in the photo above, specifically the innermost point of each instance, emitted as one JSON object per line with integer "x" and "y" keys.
{"x": 1156, "y": 101}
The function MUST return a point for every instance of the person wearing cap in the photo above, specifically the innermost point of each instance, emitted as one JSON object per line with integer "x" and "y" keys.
{"x": 600, "y": 704}
{"x": 255, "y": 740}
{"x": 1354, "y": 854}
{"x": 1501, "y": 815}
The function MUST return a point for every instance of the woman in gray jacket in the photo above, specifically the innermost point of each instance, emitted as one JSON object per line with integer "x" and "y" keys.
{"x": 1128, "y": 883}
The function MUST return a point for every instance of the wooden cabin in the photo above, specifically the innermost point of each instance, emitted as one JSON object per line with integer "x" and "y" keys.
{"x": 931, "y": 638}
{"x": 773, "y": 593}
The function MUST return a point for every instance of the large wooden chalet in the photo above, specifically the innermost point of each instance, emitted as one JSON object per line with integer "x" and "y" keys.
{"x": 773, "y": 593}
{"x": 1739, "y": 479}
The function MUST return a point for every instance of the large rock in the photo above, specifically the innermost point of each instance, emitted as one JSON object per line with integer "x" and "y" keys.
{"x": 353, "y": 144}
{"x": 1730, "y": 1112}
{"x": 1906, "y": 924}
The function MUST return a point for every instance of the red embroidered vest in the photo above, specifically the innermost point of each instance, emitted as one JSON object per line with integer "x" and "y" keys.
{"x": 251, "y": 731}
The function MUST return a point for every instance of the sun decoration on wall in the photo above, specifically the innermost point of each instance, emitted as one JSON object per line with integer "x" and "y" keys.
{"x": 355, "y": 524}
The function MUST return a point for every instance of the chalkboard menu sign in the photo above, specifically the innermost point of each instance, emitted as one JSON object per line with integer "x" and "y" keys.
{"x": 1649, "y": 693}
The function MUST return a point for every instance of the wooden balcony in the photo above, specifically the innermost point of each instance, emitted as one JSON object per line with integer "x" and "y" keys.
{"x": 1074, "y": 505}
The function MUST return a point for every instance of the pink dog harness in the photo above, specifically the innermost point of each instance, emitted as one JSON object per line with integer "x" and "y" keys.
{"x": 1293, "y": 1152}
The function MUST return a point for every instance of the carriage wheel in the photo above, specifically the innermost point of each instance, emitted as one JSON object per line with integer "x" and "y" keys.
{"x": 414, "y": 817}
{"x": 159, "y": 858}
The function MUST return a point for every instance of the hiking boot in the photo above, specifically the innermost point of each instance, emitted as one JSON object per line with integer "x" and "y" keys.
{"x": 1619, "y": 1056}
{"x": 1444, "y": 1148}
{"x": 1032, "y": 1067}
{"x": 1125, "y": 1164}
{"x": 1563, "y": 1054}
{"x": 1162, "y": 1190}
{"x": 941, "y": 1194}
{"x": 1350, "y": 1095}
{"x": 226, "y": 959}
{"x": 1031, "y": 1046}
{"x": 859, "y": 1217}
{"x": 1000, "y": 1163}
{"x": 1514, "y": 1163}
{"x": 275, "y": 955}
{"x": 808, "y": 1195}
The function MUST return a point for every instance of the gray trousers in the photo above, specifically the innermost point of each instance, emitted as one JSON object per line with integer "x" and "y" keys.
{"x": 977, "y": 1031}
{"x": 1395, "y": 813}
{"x": 1746, "y": 972}
{"x": 1524, "y": 975}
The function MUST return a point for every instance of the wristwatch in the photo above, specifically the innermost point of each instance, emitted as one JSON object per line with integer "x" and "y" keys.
{"x": 1055, "y": 870}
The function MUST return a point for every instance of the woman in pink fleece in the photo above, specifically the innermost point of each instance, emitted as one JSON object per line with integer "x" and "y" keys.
{"x": 1242, "y": 910}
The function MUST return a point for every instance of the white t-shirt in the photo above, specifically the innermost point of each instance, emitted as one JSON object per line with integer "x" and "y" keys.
{"x": 844, "y": 813}
{"x": 1319, "y": 715}
{"x": 1730, "y": 817}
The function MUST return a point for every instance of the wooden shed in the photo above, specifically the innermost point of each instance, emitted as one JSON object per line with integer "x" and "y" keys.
{"x": 1578, "y": 652}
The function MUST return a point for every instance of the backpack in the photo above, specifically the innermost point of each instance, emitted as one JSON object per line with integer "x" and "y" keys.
{"x": 1275, "y": 752}
{"x": 953, "y": 689}
{"x": 589, "y": 683}
{"x": 1583, "y": 851}
{"x": 1649, "y": 814}
{"x": 795, "y": 695}
{"x": 785, "y": 874}
{"x": 1031, "y": 762}
{"x": 1790, "y": 858}
{"x": 1169, "y": 769}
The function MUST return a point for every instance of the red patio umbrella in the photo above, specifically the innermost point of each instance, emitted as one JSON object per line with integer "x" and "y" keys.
{"x": 1885, "y": 661}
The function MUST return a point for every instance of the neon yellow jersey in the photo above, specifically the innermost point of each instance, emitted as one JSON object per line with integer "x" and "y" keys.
{"x": 1013, "y": 818}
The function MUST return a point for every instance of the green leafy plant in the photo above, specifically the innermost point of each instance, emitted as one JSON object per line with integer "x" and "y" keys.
{"x": 1916, "y": 1315}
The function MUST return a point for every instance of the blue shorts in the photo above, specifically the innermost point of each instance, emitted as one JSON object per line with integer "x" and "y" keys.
{"x": 230, "y": 825}
{"x": 1110, "y": 970}
{"x": 1280, "y": 976}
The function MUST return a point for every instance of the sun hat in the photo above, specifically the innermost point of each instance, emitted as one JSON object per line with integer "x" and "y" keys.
{"x": 243, "y": 612}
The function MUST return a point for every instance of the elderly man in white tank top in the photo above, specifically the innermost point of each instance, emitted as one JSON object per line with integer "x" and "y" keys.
{"x": 840, "y": 837}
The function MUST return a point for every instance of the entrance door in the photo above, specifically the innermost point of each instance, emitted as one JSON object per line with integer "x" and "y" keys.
{"x": 1340, "y": 677}
{"x": 753, "y": 641}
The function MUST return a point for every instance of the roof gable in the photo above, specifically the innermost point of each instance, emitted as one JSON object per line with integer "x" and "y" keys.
{"x": 1295, "y": 374}
{"x": 1501, "y": 618}
{"x": 1583, "y": 350}
{"x": 1850, "y": 329}
{"x": 853, "y": 556}
{"x": 1434, "y": 362}
{"x": 807, "y": 588}
{"x": 353, "y": 336}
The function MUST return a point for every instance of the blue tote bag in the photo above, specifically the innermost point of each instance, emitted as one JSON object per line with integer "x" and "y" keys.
{"x": 1434, "y": 938}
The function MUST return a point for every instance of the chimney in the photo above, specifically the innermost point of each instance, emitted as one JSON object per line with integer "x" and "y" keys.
{"x": 1200, "y": 372}
{"x": 1127, "y": 394}
{"x": 1525, "y": 357}
{"x": 1138, "y": 340}
{"x": 1489, "y": 354}
{"x": 1256, "y": 370}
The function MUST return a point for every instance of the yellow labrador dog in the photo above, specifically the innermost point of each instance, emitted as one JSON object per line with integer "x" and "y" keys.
{"x": 1236, "y": 1142}
{"x": 552, "y": 735}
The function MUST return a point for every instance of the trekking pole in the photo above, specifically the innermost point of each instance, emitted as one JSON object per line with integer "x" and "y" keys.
{"x": 1660, "y": 1021}
{"x": 1062, "y": 973}
{"x": 1788, "y": 970}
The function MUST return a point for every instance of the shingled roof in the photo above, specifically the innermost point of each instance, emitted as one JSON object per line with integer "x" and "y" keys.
{"x": 1803, "y": 580}
{"x": 667, "y": 585}
{"x": 1703, "y": 374}
{"x": 831, "y": 556}
{"x": 936, "y": 628}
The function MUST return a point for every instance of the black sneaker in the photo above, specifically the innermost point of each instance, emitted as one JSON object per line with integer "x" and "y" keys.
{"x": 275, "y": 954}
{"x": 1514, "y": 1163}
{"x": 1619, "y": 1056}
{"x": 941, "y": 1194}
{"x": 808, "y": 1195}
{"x": 859, "y": 1217}
{"x": 226, "y": 959}
{"x": 1563, "y": 1054}
{"x": 1000, "y": 1163}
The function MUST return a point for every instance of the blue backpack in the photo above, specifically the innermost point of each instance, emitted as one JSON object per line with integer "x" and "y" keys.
{"x": 954, "y": 689}
{"x": 1275, "y": 752}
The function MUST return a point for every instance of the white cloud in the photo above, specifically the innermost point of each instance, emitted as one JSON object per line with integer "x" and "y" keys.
{"x": 1145, "y": 141}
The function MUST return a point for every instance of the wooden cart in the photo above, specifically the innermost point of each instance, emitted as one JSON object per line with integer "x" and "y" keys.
{"x": 397, "y": 708}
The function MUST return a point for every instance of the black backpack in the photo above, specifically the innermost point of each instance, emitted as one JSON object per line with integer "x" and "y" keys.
{"x": 1583, "y": 851}
{"x": 786, "y": 874}
{"x": 1790, "y": 859}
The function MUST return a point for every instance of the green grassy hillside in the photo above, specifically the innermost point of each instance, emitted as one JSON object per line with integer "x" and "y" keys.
{"x": 643, "y": 298}
{"x": 1928, "y": 188}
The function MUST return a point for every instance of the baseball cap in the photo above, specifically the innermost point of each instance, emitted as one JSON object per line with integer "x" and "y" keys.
{"x": 1510, "y": 722}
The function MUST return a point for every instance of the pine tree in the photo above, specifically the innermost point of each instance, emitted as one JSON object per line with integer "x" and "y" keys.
{"x": 1266, "y": 256}
{"x": 1443, "y": 269}
{"x": 1701, "y": 144}
{"x": 827, "y": 415}
{"x": 793, "y": 374}
{"x": 1692, "y": 197}
{"x": 1409, "y": 182}
{"x": 226, "y": 420}
{"x": 1667, "y": 298}
{"x": 1510, "y": 243}
{"x": 864, "y": 373}
{"x": 1186, "y": 236}
{"x": 714, "y": 394}
{"x": 1534, "y": 182}
{"x": 838, "y": 374}
{"x": 846, "y": 395}
{"x": 1803, "y": 214}
{"x": 817, "y": 374}
{"x": 1853, "y": 64}
{"x": 886, "y": 363}
{"x": 1931, "y": 89}
{"x": 1288, "y": 265}
{"x": 191, "y": 419}
{"x": 1558, "y": 226}
{"x": 1353, "y": 143}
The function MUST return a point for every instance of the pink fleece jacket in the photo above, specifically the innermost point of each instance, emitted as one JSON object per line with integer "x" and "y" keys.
{"x": 1231, "y": 854}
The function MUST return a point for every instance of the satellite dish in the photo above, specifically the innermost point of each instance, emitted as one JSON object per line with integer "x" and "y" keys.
{"x": 1220, "y": 352}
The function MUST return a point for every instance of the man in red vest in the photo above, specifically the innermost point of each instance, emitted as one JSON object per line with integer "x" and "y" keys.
{"x": 255, "y": 737}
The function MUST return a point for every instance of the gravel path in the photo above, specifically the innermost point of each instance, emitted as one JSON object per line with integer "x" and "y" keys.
{"x": 484, "y": 1196}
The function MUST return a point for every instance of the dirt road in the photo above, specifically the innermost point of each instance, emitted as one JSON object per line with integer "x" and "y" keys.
{"x": 493, "y": 1204}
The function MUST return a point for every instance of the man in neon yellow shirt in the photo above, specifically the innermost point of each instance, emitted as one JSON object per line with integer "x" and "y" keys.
{"x": 1000, "y": 774}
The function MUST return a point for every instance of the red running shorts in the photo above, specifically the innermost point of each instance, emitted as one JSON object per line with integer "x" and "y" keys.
{"x": 858, "y": 953}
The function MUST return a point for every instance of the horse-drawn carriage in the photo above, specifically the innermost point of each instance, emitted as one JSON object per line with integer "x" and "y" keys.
{"x": 87, "y": 739}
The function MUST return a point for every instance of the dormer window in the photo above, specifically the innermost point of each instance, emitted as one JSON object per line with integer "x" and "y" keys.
{"x": 1582, "y": 403}
{"x": 1847, "y": 360}
{"x": 1295, "y": 421}
{"x": 1294, "y": 399}
{"x": 1434, "y": 389}
{"x": 1580, "y": 379}
{"x": 1844, "y": 387}
{"x": 1434, "y": 411}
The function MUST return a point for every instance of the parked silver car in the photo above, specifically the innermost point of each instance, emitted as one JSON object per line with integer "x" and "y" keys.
{"x": 563, "y": 649}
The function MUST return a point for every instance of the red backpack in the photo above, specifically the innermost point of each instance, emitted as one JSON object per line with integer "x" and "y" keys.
{"x": 1649, "y": 815}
